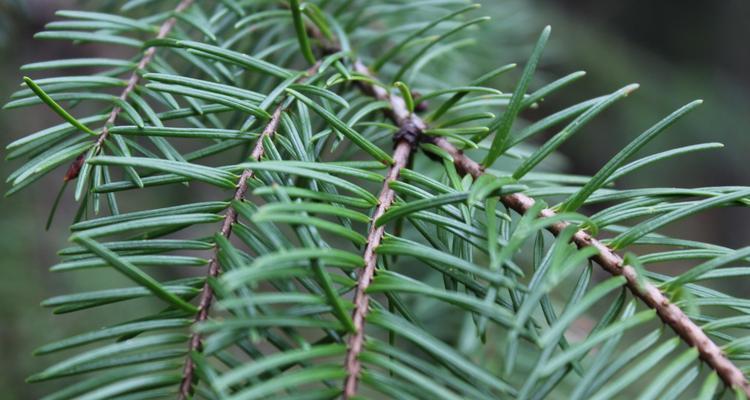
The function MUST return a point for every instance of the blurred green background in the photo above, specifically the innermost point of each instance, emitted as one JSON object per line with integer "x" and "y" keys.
{"x": 678, "y": 50}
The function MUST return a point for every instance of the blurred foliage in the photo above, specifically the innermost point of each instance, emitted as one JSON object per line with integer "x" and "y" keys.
{"x": 677, "y": 50}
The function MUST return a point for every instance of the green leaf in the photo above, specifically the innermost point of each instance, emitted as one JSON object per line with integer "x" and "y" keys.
{"x": 637, "y": 371}
{"x": 312, "y": 374}
{"x": 98, "y": 16}
{"x": 191, "y": 133}
{"x": 709, "y": 387}
{"x": 439, "y": 350}
{"x": 141, "y": 224}
{"x": 399, "y": 211}
{"x": 300, "y": 256}
{"x": 409, "y": 248}
{"x": 150, "y": 381}
{"x": 628, "y": 237}
{"x": 396, "y": 49}
{"x": 306, "y": 220}
{"x": 434, "y": 41}
{"x": 601, "y": 177}
{"x": 208, "y": 207}
{"x": 552, "y": 335}
{"x": 485, "y": 185}
{"x": 696, "y": 272}
{"x": 112, "y": 332}
{"x": 315, "y": 208}
{"x": 442, "y": 376}
{"x": 551, "y": 88}
{"x": 299, "y": 27}
{"x": 228, "y": 90}
{"x": 669, "y": 373}
{"x": 74, "y": 302}
{"x": 569, "y": 130}
{"x": 132, "y": 272}
{"x": 318, "y": 18}
{"x": 660, "y": 156}
{"x": 277, "y": 360}
{"x": 268, "y": 322}
{"x": 306, "y": 171}
{"x": 406, "y": 95}
{"x": 551, "y": 120}
{"x": 49, "y": 162}
{"x": 296, "y": 192}
{"x": 213, "y": 176}
{"x": 344, "y": 129}
{"x": 425, "y": 383}
{"x": 503, "y": 124}
{"x": 387, "y": 282}
{"x": 319, "y": 91}
{"x": 445, "y": 107}
{"x": 56, "y": 107}
{"x": 218, "y": 98}
{"x": 70, "y": 365}
{"x": 235, "y": 57}
{"x": 579, "y": 349}
{"x": 144, "y": 260}
{"x": 77, "y": 63}
{"x": 635, "y": 350}
{"x": 91, "y": 385}
{"x": 94, "y": 37}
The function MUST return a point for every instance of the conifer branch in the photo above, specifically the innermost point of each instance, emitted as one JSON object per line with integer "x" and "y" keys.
{"x": 610, "y": 261}
{"x": 214, "y": 267}
{"x": 355, "y": 344}
{"x": 135, "y": 77}
{"x": 304, "y": 316}
{"x": 410, "y": 129}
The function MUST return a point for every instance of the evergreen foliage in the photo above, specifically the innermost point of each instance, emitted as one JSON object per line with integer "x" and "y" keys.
{"x": 351, "y": 246}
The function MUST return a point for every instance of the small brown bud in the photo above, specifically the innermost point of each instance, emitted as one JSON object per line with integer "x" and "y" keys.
{"x": 74, "y": 169}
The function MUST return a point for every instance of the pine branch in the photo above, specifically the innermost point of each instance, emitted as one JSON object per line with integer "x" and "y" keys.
{"x": 410, "y": 129}
{"x": 312, "y": 315}
{"x": 401, "y": 156}
{"x": 613, "y": 263}
{"x": 135, "y": 77}
{"x": 609, "y": 260}
{"x": 214, "y": 267}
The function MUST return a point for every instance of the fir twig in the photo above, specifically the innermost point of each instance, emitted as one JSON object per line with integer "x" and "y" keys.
{"x": 214, "y": 267}
{"x": 410, "y": 129}
{"x": 610, "y": 261}
{"x": 135, "y": 77}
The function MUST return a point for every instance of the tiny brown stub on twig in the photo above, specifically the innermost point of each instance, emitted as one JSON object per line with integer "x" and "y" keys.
{"x": 74, "y": 169}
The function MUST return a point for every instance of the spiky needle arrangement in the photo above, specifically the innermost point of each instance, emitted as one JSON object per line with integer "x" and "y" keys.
{"x": 346, "y": 263}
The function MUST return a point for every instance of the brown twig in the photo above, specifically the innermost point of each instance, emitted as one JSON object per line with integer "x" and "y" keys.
{"x": 410, "y": 128}
{"x": 361, "y": 299}
{"x": 214, "y": 268}
{"x": 609, "y": 260}
{"x": 135, "y": 77}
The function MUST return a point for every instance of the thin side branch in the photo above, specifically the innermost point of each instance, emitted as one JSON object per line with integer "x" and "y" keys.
{"x": 361, "y": 299}
{"x": 214, "y": 268}
{"x": 135, "y": 77}
{"x": 411, "y": 127}
{"x": 610, "y": 261}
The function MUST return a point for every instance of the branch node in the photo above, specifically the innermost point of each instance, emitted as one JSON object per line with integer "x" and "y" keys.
{"x": 408, "y": 132}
